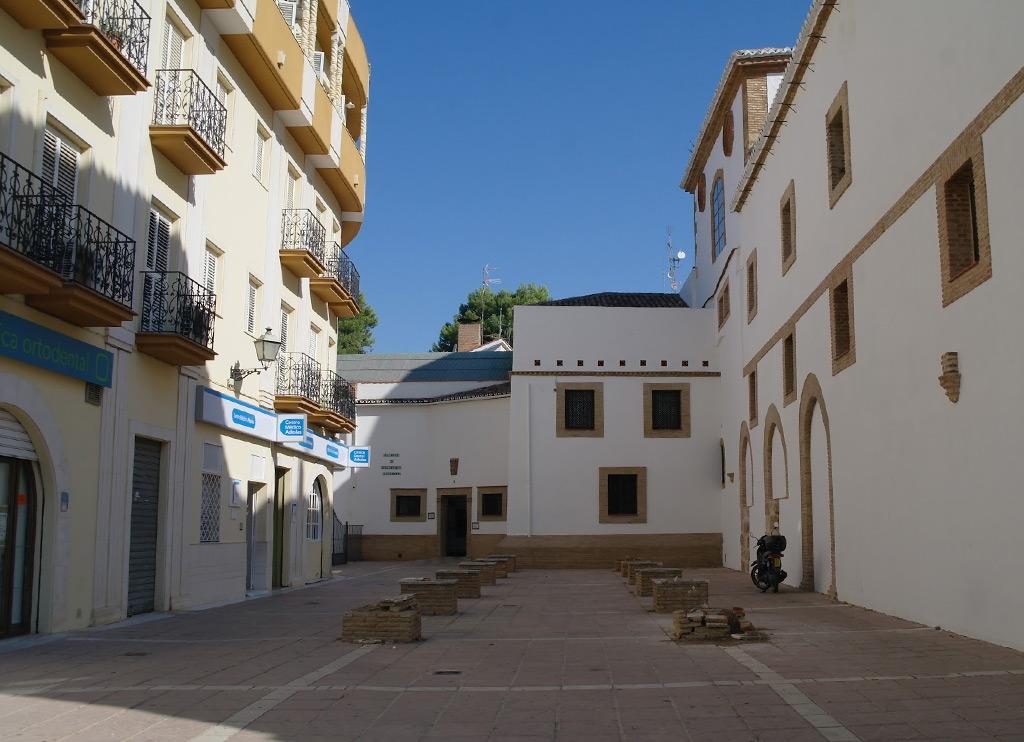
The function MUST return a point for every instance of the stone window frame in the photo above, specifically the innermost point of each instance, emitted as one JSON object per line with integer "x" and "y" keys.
{"x": 716, "y": 250}
{"x": 728, "y": 133}
{"x": 838, "y": 306}
{"x": 837, "y": 133}
{"x": 787, "y": 226}
{"x": 480, "y": 492}
{"x": 641, "y": 494}
{"x": 421, "y": 492}
{"x": 950, "y": 186}
{"x": 751, "y": 285}
{"x": 789, "y": 367}
{"x": 684, "y": 410}
{"x": 563, "y": 432}
{"x": 724, "y": 305}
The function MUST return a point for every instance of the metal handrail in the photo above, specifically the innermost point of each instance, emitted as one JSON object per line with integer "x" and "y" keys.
{"x": 173, "y": 302}
{"x": 183, "y": 99}
{"x": 97, "y": 256}
{"x": 299, "y": 375}
{"x": 338, "y": 396}
{"x": 301, "y": 230}
{"x": 32, "y": 213}
{"x": 340, "y": 266}
{"x": 125, "y": 24}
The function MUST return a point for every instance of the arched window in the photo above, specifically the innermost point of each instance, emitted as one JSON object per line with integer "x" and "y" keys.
{"x": 717, "y": 217}
{"x": 315, "y": 513}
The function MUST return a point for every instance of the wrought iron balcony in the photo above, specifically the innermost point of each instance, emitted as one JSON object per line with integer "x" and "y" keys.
{"x": 31, "y": 216}
{"x": 338, "y": 286}
{"x": 339, "y": 397}
{"x": 176, "y": 325}
{"x": 299, "y": 383}
{"x": 125, "y": 24}
{"x": 302, "y": 243}
{"x": 189, "y": 123}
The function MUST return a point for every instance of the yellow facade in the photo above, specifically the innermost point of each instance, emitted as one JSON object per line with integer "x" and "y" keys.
{"x": 172, "y": 185}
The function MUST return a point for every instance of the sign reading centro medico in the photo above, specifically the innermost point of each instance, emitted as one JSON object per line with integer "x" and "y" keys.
{"x": 40, "y": 346}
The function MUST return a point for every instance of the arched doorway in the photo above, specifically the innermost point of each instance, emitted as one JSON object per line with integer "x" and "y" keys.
{"x": 19, "y": 526}
{"x": 746, "y": 474}
{"x": 778, "y": 506}
{"x": 816, "y": 497}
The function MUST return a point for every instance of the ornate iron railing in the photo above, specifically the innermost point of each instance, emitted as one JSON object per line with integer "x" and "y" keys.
{"x": 124, "y": 23}
{"x": 173, "y": 302}
{"x": 301, "y": 230}
{"x": 183, "y": 99}
{"x": 97, "y": 256}
{"x": 299, "y": 375}
{"x": 32, "y": 214}
{"x": 338, "y": 396}
{"x": 340, "y": 266}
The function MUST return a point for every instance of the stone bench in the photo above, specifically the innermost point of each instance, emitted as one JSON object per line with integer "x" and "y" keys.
{"x": 467, "y": 581}
{"x": 510, "y": 557}
{"x": 436, "y": 597}
{"x": 390, "y": 620}
{"x": 676, "y": 594}
{"x": 644, "y": 575}
{"x": 629, "y": 569}
{"x": 488, "y": 571}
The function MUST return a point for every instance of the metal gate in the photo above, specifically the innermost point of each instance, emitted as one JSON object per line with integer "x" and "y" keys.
{"x": 354, "y": 542}
{"x": 339, "y": 552}
{"x": 145, "y": 510}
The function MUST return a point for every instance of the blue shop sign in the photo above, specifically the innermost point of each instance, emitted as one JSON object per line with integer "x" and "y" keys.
{"x": 40, "y": 346}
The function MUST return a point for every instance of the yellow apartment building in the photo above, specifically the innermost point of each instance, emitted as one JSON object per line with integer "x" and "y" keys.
{"x": 179, "y": 180}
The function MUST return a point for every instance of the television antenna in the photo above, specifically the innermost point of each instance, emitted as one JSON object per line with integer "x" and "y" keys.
{"x": 487, "y": 282}
{"x": 674, "y": 258}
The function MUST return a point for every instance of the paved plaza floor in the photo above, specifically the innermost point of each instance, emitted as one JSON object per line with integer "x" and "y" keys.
{"x": 543, "y": 655}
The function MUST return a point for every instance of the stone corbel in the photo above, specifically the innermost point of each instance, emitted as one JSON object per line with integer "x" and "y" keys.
{"x": 950, "y": 379}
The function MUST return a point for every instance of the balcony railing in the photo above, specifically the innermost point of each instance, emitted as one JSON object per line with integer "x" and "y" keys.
{"x": 338, "y": 396}
{"x": 340, "y": 266}
{"x": 92, "y": 254}
{"x": 32, "y": 214}
{"x": 301, "y": 230}
{"x": 173, "y": 302}
{"x": 183, "y": 99}
{"x": 299, "y": 375}
{"x": 125, "y": 24}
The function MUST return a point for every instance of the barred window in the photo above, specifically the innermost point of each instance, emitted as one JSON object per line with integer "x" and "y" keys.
{"x": 314, "y": 513}
{"x": 491, "y": 503}
{"x": 407, "y": 506}
{"x": 579, "y": 409}
{"x": 666, "y": 409}
{"x": 622, "y": 491}
{"x": 209, "y": 509}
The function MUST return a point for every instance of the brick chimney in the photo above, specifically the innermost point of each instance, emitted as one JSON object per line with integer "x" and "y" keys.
{"x": 469, "y": 337}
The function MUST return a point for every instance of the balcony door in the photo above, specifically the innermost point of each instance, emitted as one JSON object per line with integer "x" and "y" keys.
{"x": 154, "y": 289}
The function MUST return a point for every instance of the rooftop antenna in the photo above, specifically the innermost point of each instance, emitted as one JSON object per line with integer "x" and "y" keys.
{"x": 674, "y": 258}
{"x": 487, "y": 283}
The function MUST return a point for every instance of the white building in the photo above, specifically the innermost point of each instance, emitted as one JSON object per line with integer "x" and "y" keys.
{"x": 856, "y": 209}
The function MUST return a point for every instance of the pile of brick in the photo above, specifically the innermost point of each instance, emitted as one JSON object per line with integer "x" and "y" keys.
{"x": 436, "y": 597}
{"x": 710, "y": 623}
{"x": 390, "y": 620}
{"x": 676, "y": 594}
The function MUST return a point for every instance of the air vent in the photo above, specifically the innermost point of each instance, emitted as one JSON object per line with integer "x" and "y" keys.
{"x": 93, "y": 393}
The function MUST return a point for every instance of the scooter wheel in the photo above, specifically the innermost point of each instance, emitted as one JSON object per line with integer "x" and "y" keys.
{"x": 759, "y": 579}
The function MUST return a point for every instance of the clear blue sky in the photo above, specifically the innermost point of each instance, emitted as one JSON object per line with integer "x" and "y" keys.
{"x": 544, "y": 137}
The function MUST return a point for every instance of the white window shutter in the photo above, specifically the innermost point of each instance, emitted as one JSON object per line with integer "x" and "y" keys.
{"x": 261, "y": 145}
{"x": 290, "y": 11}
{"x": 250, "y": 314}
{"x": 314, "y": 343}
{"x": 171, "y": 52}
{"x": 210, "y": 271}
{"x": 60, "y": 163}
{"x": 158, "y": 245}
{"x": 284, "y": 329}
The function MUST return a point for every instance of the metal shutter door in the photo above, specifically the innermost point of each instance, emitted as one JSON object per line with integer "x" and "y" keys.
{"x": 14, "y": 440}
{"x": 145, "y": 508}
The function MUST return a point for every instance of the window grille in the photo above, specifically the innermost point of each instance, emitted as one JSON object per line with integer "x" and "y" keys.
{"x": 579, "y": 409}
{"x": 314, "y": 514}
{"x": 209, "y": 509}
{"x": 666, "y": 409}
{"x": 407, "y": 506}
{"x": 622, "y": 494}
{"x": 491, "y": 504}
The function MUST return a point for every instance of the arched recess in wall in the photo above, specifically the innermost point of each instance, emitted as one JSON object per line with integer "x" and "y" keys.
{"x": 773, "y": 423}
{"x": 745, "y": 470}
{"x": 812, "y": 400}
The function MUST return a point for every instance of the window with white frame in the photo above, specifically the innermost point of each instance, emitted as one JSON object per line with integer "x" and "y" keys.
{"x": 315, "y": 513}
{"x": 292, "y": 191}
{"x": 60, "y": 162}
{"x": 314, "y": 342}
{"x": 252, "y": 306}
{"x": 210, "y": 497}
{"x": 211, "y": 269}
{"x": 172, "y": 48}
{"x": 261, "y": 154}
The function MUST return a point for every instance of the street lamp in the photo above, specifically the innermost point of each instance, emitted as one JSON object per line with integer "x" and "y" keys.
{"x": 267, "y": 347}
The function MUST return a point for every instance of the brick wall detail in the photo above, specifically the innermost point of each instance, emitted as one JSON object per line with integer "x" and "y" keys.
{"x": 600, "y": 551}
{"x": 436, "y": 597}
{"x": 488, "y": 571}
{"x": 467, "y": 581}
{"x": 645, "y": 575}
{"x": 391, "y": 619}
{"x": 677, "y": 594}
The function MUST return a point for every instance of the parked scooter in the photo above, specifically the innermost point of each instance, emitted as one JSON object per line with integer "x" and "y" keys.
{"x": 766, "y": 570}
